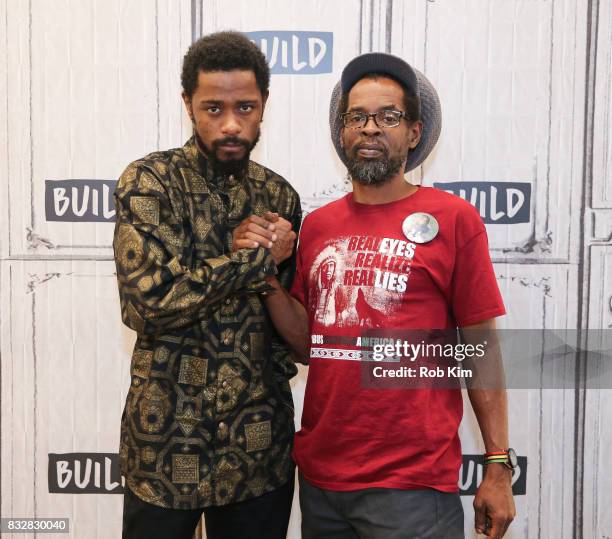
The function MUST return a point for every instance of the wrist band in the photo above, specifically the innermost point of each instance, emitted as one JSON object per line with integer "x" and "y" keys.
{"x": 507, "y": 458}
{"x": 496, "y": 456}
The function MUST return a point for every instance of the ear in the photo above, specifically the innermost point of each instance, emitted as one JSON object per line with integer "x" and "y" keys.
{"x": 188, "y": 107}
{"x": 342, "y": 138}
{"x": 414, "y": 134}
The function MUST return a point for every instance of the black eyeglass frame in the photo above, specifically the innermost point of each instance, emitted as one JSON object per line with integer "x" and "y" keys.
{"x": 373, "y": 115}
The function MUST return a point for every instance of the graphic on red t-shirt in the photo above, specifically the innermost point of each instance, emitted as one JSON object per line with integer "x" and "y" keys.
{"x": 360, "y": 280}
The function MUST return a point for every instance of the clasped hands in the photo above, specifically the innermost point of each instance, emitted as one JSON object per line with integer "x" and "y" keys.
{"x": 270, "y": 231}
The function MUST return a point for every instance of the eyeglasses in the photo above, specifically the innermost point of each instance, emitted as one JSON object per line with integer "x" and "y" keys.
{"x": 382, "y": 118}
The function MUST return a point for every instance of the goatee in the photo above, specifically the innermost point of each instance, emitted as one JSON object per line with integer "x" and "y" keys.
{"x": 227, "y": 167}
{"x": 373, "y": 171}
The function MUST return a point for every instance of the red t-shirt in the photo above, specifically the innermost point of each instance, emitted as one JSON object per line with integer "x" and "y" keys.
{"x": 357, "y": 270}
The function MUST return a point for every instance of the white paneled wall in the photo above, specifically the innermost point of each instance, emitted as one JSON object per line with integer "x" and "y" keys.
{"x": 86, "y": 86}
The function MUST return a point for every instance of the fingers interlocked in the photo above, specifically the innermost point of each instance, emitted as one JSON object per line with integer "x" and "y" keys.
{"x": 270, "y": 231}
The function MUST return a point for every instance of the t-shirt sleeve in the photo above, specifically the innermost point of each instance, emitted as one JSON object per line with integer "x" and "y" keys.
{"x": 475, "y": 294}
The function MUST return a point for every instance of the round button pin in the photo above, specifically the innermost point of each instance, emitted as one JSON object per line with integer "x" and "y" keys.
{"x": 420, "y": 227}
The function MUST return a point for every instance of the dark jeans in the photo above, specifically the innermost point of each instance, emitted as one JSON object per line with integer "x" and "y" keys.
{"x": 379, "y": 513}
{"x": 265, "y": 517}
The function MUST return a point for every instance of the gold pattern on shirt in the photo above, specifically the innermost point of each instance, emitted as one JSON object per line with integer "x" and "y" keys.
{"x": 226, "y": 488}
{"x": 259, "y": 208}
{"x": 161, "y": 167}
{"x": 148, "y": 455}
{"x": 274, "y": 189}
{"x": 174, "y": 266}
{"x": 229, "y": 306}
{"x": 257, "y": 172}
{"x": 216, "y": 263}
{"x": 230, "y": 386}
{"x": 196, "y": 184}
{"x": 146, "y": 283}
{"x": 205, "y": 489}
{"x": 151, "y": 417}
{"x": 188, "y": 421}
{"x": 156, "y": 251}
{"x": 145, "y": 210}
{"x": 227, "y": 336}
{"x": 161, "y": 355}
{"x": 258, "y": 390}
{"x": 239, "y": 200}
{"x": 130, "y": 251}
{"x": 134, "y": 317}
{"x": 170, "y": 237}
{"x": 145, "y": 491}
{"x": 129, "y": 176}
{"x": 256, "y": 306}
{"x": 154, "y": 407}
{"x": 148, "y": 184}
{"x": 185, "y": 468}
{"x": 202, "y": 227}
{"x": 228, "y": 478}
{"x": 222, "y": 431}
{"x": 258, "y": 436}
{"x": 141, "y": 363}
{"x": 193, "y": 370}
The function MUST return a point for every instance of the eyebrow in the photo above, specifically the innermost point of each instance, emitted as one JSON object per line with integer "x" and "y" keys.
{"x": 220, "y": 102}
{"x": 383, "y": 107}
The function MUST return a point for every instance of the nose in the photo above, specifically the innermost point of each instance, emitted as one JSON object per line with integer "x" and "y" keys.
{"x": 231, "y": 125}
{"x": 371, "y": 127}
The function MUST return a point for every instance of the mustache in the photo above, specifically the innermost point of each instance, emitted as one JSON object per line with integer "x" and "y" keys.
{"x": 230, "y": 140}
{"x": 369, "y": 145}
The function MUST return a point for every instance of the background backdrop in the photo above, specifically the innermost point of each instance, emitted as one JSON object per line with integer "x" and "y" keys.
{"x": 87, "y": 86}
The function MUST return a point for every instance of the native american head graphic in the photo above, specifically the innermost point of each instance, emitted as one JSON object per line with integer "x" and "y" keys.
{"x": 325, "y": 284}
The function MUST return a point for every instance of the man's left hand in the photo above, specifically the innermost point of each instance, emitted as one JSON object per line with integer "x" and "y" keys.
{"x": 494, "y": 504}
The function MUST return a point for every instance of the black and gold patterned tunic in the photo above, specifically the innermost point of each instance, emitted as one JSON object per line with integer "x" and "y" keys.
{"x": 209, "y": 415}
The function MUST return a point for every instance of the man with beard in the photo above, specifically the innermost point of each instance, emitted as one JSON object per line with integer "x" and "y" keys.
{"x": 208, "y": 422}
{"x": 382, "y": 461}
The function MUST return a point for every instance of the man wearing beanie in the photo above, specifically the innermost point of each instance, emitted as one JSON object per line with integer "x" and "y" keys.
{"x": 208, "y": 421}
{"x": 382, "y": 461}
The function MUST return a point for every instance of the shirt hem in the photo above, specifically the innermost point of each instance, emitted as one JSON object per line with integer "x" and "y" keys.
{"x": 341, "y": 486}
{"x": 481, "y": 317}
{"x": 166, "y": 500}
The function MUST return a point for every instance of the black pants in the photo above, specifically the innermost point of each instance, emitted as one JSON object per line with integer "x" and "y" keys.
{"x": 265, "y": 517}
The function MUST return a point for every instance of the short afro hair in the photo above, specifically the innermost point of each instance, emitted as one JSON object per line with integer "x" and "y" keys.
{"x": 224, "y": 51}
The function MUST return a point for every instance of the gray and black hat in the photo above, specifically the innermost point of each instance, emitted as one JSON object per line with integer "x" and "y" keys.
{"x": 412, "y": 79}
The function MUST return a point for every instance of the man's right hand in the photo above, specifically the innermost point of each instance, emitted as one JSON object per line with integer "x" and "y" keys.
{"x": 282, "y": 247}
{"x": 253, "y": 232}
{"x": 270, "y": 231}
